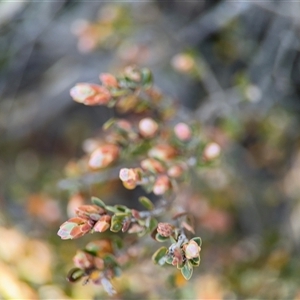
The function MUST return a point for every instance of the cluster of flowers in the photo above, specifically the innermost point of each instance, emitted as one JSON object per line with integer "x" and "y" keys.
{"x": 100, "y": 217}
{"x": 164, "y": 152}
{"x": 183, "y": 253}
{"x": 165, "y": 155}
{"x": 96, "y": 263}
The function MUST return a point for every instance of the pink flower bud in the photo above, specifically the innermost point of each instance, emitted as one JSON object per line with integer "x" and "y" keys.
{"x": 83, "y": 260}
{"x": 135, "y": 228}
{"x": 74, "y": 228}
{"x": 183, "y": 63}
{"x": 109, "y": 80}
{"x": 103, "y": 224}
{"x": 148, "y": 127}
{"x": 129, "y": 175}
{"x": 133, "y": 73}
{"x": 191, "y": 249}
{"x": 183, "y": 132}
{"x": 103, "y": 156}
{"x": 162, "y": 152}
{"x": 124, "y": 125}
{"x": 176, "y": 171}
{"x": 135, "y": 214}
{"x": 84, "y": 211}
{"x": 211, "y": 151}
{"x": 90, "y": 94}
{"x": 177, "y": 257}
{"x": 161, "y": 185}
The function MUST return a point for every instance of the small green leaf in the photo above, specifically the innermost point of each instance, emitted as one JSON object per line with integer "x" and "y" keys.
{"x": 146, "y": 203}
{"x": 161, "y": 238}
{"x": 152, "y": 224}
{"x": 153, "y": 233}
{"x": 187, "y": 271}
{"x": 141, "y": 222}
{"x": 108, "y": 123}
{"x": 118, "y": 92}
{"x": 112, "y": 209}
{"x": 98, "y": 202}
{"x": 110, "y": 261}
{"x": 116, "y": 224}
{"x": 118, "y": 242}
{"x": 130, "y": 84}
{"x": 112, "y": 102}
{"x": 122, "y": 208}
{"x": 75, "y": 274}
{"x": 197, "y": 240}
{"x": 172, "y": 239}
{"x": 180, "y": 265}
{"x": 117, "y": 271}
{"x": 116, "y": 227}
{"x": 141, "y": 233}
{"x": 169, "y": 259}
{"x": 121, "y": 215}
{"x": 159, "y": 256}
{"x": 146, "y": 77}
{"x": 93, "y": 248}
{"x": 195, "y": 261}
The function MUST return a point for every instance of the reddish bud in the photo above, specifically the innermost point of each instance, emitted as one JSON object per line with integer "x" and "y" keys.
{"x": 108, "y": 80}
{"x": 161, "y": 185}
{"x": 83, "y": 260}
{"x": 152, "y": 165}
{"x": 135, "y": 214}
{"x": 90, "y": 94}
{"x": 165, "y": 229}
{"x": 126, "y": 225}
{"x": 74, "y": 228}
{"x": 87, "y": 210}
{"x": 102, "y": 224}
{"x": 162, "y": 152}
{"x": 103, "y": 156}
{"x": 81, "y": 230}
{"x": 176, "y": 171}
{"x": 177, "y": 257}
{"x": 123, "y": 125}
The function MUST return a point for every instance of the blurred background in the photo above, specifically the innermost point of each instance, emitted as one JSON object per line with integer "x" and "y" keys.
{"x": 233, "y": 66}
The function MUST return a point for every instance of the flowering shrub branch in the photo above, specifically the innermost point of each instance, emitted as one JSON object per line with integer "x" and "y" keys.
{"x": 163, "y": 155}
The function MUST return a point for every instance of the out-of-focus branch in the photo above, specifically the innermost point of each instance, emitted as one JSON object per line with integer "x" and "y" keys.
{"x": 212, "y": 21}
